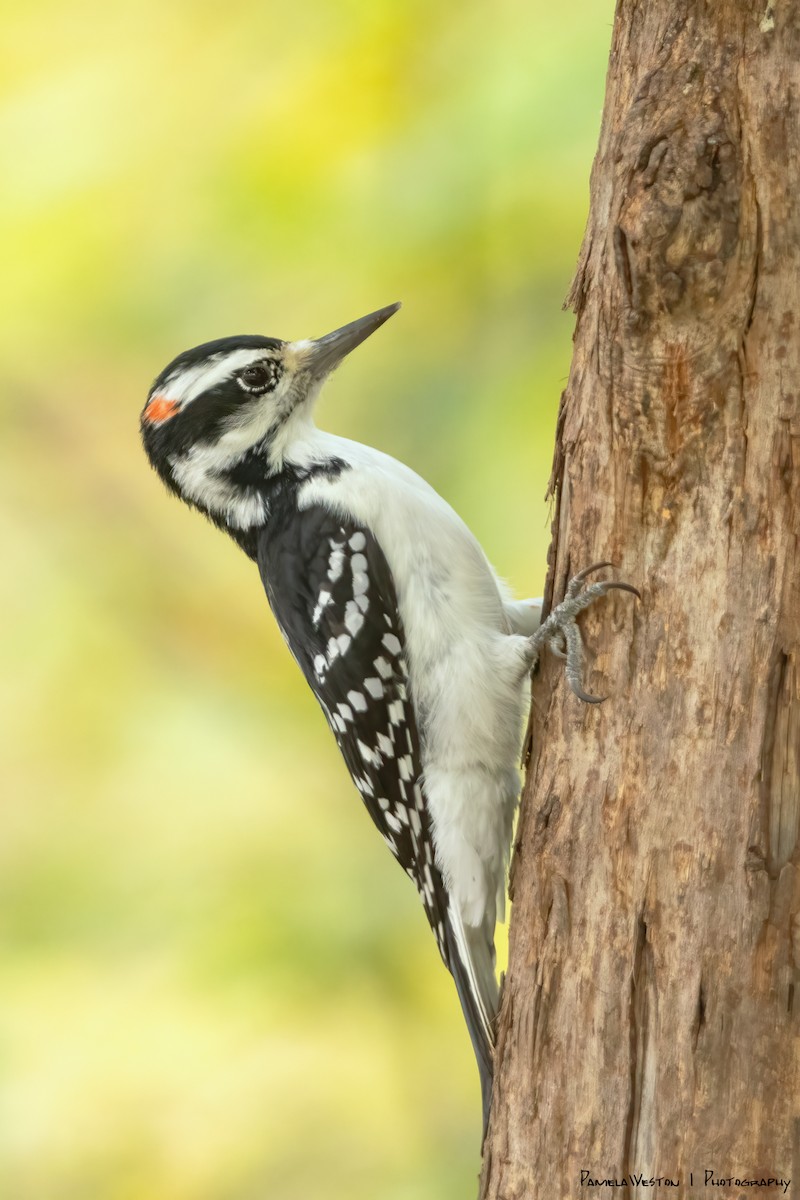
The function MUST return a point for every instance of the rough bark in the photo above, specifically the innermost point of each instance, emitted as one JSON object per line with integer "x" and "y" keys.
{"x": 650, "y": 1011}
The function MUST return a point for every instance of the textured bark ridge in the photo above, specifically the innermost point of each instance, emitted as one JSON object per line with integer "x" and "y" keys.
{"x": 651, "y": 1010}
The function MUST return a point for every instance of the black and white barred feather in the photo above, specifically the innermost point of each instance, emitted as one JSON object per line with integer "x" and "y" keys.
{"x": 332, "y": 593}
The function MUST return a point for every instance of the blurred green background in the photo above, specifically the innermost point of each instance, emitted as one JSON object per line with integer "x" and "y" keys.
{"x": 215, "y": 984}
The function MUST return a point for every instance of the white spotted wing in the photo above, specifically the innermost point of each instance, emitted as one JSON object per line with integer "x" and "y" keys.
{"x": 332, "y": 592}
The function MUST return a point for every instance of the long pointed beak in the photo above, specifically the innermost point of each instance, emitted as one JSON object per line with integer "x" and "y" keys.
{"x": 323, "y": 354}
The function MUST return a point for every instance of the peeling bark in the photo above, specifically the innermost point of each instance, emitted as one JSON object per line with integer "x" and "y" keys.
{"x": 651, "y": 1016}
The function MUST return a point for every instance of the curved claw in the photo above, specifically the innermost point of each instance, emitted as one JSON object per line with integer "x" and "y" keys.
{"x": 587, "y": 697}
{"x": 575, "y": 585}
{"x": 589, "y": 571}
{"x": 627, "y": 587}
{"x": 560, "y": 629}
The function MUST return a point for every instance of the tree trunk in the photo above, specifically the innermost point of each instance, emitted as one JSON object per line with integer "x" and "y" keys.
{"x": 650, "y": 1014}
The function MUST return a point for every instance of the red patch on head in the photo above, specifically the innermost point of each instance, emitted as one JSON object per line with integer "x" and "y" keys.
{"x": 160, "y": 409}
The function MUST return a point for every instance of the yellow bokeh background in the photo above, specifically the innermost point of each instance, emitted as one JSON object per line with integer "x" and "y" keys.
{"x": 216, "y": 985}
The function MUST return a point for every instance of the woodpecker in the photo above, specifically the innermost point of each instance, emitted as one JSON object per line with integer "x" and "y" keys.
{"x": 414, "y": 649}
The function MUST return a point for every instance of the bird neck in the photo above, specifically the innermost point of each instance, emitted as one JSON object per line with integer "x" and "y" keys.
{"x": 256, "y": 491}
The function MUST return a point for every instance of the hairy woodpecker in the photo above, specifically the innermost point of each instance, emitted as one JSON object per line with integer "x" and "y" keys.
{"x": 413, "y": 647}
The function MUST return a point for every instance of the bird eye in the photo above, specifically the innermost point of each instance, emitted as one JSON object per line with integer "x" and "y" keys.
{"x": 258, "y": 378}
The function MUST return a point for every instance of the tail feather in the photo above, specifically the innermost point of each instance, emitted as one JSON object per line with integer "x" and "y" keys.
{"x": 471, "y": 962}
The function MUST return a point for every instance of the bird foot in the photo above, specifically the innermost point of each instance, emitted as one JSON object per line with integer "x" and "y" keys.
{"x": 561, "y": 633}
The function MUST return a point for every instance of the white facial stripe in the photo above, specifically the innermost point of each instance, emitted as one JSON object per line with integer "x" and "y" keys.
{"x": 197, "y": 475}
{"x": 191, "y": 382}
{"x": 246, "y": 429}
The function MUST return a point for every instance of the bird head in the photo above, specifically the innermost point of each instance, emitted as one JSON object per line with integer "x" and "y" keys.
{"x": 214, "y": 403}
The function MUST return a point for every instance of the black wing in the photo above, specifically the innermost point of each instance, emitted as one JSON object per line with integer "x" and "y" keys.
{"x": 333, "y": 595}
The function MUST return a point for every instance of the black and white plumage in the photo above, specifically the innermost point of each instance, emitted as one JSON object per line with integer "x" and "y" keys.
{"x": 334, "y": 598}
{"x": 403, "y": 631}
